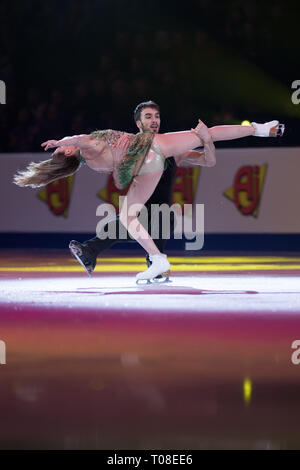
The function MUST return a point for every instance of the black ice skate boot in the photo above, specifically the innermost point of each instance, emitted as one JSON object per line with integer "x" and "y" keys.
{"x": 84, "y": 255}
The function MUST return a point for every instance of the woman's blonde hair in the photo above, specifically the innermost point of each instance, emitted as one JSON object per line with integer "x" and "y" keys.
{"x": 41, "y": 173}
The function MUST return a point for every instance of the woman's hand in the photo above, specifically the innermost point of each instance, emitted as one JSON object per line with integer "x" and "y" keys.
{"x": 49, "y": 144}
{"x": 202, "y": 132}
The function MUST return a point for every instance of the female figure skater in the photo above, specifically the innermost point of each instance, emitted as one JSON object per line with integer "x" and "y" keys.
{"x": 136, "y": 159}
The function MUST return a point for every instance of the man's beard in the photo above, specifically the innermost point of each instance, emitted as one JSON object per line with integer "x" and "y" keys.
{"x": 145, "y": 129}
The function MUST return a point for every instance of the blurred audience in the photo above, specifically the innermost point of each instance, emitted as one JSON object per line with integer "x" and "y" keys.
{"x": 98, "y": 83}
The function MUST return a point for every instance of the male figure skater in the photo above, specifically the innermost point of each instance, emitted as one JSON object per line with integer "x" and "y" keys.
{"x": 147, "y": 119}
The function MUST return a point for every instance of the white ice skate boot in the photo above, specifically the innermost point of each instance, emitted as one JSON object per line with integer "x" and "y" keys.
{"x": 268, "y": 129}
{"x": 160, "y": 265}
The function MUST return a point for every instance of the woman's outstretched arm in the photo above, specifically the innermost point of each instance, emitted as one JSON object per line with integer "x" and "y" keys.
{"x": 77, "y": 140}
{"x": 206, "y": 157}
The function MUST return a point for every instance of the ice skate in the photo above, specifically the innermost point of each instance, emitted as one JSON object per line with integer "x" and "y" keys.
{"x": 160, "y": 267}
{"x": 160, "y": 277}
{"x": 268, "y": 129}
{"x": 84, "y": 256}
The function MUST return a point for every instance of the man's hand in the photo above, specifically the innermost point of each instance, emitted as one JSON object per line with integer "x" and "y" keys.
{"x": 49, "y": 144}
{"x": 202, "y": 132}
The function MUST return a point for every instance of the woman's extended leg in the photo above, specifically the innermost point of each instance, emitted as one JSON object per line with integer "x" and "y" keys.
{"x": 176, "y": 143}
{"x": 139, "y": 192}
{"x": 230, "y": 132}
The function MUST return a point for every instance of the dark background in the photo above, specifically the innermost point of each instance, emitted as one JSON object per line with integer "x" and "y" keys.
{"x": 73, "y": 66}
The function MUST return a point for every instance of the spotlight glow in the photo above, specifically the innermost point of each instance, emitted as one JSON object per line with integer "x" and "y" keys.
{"x": 247, "y": 389}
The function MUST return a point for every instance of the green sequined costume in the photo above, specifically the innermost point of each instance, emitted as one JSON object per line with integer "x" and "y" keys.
{"x": 134, "y": 151}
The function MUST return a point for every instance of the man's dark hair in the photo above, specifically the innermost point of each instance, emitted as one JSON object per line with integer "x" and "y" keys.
{"x": 141, "y": 106}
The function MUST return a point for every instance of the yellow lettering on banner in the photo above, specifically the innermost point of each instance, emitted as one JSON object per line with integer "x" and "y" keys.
{"x": 185, "y": 185}
{"x": 57, "y": 195}
{"x": 247, "y": 189}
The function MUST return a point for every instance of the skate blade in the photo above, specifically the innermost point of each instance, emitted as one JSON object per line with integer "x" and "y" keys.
{"x": 277, "y": 131}
{"x": 161, "y": 280}
{"x": 164, "y": 277}
{"x": 143, "y": 282}
{"x": 76, "y": 252}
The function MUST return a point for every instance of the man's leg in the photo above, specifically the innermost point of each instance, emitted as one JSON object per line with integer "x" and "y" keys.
{"x": 86, "y": 253}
